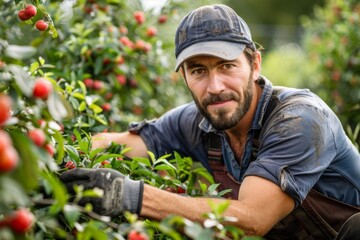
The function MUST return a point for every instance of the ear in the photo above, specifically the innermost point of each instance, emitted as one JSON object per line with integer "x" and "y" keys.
{"x": 257, "y": 65}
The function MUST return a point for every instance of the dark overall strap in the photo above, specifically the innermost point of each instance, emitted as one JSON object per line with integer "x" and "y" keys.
{"x": 318, "y": 217}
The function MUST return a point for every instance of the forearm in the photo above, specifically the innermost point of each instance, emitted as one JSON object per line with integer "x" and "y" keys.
{"x": 158, "y": 204}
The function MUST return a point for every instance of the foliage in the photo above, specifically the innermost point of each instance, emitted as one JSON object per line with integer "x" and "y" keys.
{"x": 83, "y": 41}
{"x": 274, "y": 23}
{"x": 333, "y": 43}
{"x": 281, "y": 66}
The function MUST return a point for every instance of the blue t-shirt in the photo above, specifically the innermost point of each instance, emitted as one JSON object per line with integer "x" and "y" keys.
{"x": 302, "y": 145}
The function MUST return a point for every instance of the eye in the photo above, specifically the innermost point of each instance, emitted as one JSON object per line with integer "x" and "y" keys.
{"x": 197, "y": 72}
{"x": 227, "y": 66}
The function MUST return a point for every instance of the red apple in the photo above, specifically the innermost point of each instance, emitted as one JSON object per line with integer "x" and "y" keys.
{"x": 106, "y": 107}
{"x": 23, "y": 16}
{"x": 41, "y": 25}
{"x": 139, "y": 17}
{"x": 5, "y": 141}
{"x": 50, "y": 149}
{"x": 9, "y": 159}
{"x": 126, "y": 41}
{"x": 162, "y": 19}
{"x": 151, "y": 31}
{"x": 135, "y": 235}
{"x": 42, "y": 88}
{"x": 37, "y": 136}
{"x": 5, "y": 108}
{"x": 121, "y": 79}
{"x": 98, "y": 84}
{"x": 70, "y": 165}
{"x": 21, "y": 221}
{"x": 30, "y": 10}
{"x": 89, "y": 83}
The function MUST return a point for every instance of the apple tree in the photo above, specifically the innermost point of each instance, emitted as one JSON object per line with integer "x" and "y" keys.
{"x": 332, "y": 39}
{"x": 69, "y": 69}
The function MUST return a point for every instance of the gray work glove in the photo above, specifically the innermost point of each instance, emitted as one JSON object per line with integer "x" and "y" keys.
{"x": 120, "y": 192}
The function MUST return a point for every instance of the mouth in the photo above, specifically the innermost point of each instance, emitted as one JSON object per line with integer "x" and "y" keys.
{"x": 219, "y": 103}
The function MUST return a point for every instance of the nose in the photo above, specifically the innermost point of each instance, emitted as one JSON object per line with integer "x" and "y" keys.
{"x": 215, "y": 84}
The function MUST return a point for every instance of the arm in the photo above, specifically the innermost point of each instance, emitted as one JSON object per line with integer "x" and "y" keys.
{"x": 260, "y": 206}
{"x": 132, "y": 141}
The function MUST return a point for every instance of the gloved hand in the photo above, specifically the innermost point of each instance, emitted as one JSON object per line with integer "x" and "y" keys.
{"x": 120, "y": 192}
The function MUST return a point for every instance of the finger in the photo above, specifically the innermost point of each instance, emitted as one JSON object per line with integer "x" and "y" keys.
{"x": 75, "y": 174}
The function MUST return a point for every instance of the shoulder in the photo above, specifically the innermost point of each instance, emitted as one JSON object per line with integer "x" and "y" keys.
{"x": 303, "y": 102}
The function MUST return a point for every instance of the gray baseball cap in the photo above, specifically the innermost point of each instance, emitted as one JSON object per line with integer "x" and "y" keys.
{"x": 214, "y": 30}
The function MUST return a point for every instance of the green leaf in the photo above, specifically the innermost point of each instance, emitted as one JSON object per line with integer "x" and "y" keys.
{"x": 212, "y": 188}
{"x": 27, "y": 173}
{"x": 134, "y": 165}
{"x": 106, "y": 157}
{"x": 220, "y": 208}
{"x": 22, "y": 79}
{"x": 223, "y": 192}
{"x": 71, "y": 214}
{"x": 100, "y": 120}
{"x": 144, "y": 161}
{"x": 59, "y": 107}
{"x": 152, "y": 157}
{"x": 164, "y": 167}
{"x": 34, "y": 66}
{"x": 73, "y": 153}
{"x": 53, "y": 185}
{"x": 96, "y": 108}
{"x": 60, "y": 153}
{"x": 193, "y": 229}
{"x": 79, "y": 96}
{"x": 41, "y": 61}
{"x": 82, "y": 106}
{"x": 12, "y": 193}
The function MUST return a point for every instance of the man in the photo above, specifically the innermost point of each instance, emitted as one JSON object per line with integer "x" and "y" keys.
{"x": 282, "y": 151}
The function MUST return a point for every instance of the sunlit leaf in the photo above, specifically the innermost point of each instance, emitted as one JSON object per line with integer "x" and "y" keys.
{"x": 59, "y": 107}
{"x": 71, "y": 214}
{"x": 20, "y": 52}
{"x": 12, "y": 193}
{"x": 22, "y": 79}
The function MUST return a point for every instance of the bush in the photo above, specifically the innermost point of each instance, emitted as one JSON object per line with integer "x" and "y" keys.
{"x": 56, "y": 86}
{"x": 288, "y": 66}
{"x": 333, "y": 43}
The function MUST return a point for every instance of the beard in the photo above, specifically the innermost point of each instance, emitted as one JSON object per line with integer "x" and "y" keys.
{"x": 221, "y": 120}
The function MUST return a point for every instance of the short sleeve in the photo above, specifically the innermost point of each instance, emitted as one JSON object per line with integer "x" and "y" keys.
{"x": 297, "y": 145}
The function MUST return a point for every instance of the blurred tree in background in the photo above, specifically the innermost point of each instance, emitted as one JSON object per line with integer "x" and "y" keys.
{"x": 274, "y": 22}
{"x": 332, "y": 41}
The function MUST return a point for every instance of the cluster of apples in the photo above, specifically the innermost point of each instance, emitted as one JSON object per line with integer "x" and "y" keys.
{"x": 9, "y": 157}
{"x": 29, "y": 12}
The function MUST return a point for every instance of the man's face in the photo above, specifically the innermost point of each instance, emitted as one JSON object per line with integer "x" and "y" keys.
{"x": 222, "y": 90}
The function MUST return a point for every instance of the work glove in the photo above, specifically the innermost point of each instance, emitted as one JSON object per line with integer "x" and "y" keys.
{"x": 120, "y": 192}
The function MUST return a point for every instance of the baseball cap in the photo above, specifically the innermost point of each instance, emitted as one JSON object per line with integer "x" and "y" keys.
{"x": 214, "y": 30}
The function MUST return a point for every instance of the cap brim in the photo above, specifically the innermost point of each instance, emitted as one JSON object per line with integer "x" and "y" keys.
{"x": 221, "y": 49}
